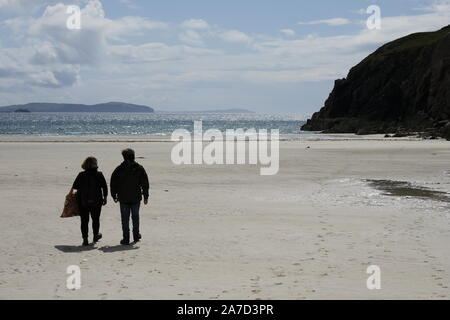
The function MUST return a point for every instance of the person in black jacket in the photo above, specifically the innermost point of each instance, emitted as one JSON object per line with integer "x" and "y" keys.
{"x": 92, "y": 194}
{"x": 129, "y": 183}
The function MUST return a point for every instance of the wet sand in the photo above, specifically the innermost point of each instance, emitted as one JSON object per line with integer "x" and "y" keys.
{"x": 225, "y": 232}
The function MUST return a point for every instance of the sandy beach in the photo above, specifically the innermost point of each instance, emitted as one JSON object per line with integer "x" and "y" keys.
{"x": 225, "y": 232}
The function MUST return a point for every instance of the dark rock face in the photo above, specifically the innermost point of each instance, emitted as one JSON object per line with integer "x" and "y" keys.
{"x": 403, "y": 87}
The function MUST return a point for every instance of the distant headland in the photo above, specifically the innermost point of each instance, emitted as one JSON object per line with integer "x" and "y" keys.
{"x": 402, "y": 88}
{"x": 119, "y": 107}
{"x": 67, "y": 107}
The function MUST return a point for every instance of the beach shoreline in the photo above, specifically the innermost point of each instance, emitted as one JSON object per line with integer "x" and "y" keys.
{"x": 167, "y": 138}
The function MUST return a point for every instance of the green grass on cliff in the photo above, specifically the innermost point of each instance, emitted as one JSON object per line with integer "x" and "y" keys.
{"x": 415, "y": 40}
{"x": 422, "y": 39}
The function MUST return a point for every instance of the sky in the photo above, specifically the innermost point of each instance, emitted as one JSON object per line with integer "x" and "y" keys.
{"x": 268, "y": 56}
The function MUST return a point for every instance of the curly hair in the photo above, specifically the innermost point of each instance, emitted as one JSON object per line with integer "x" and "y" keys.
{"x": 89, "y": 163}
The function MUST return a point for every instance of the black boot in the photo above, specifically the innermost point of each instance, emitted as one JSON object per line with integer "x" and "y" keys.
{"x": 125, "y": 241}
{"x": 85, "y": 242}
{"x": 97, "y": 237}
{"x": 137, "y": 237}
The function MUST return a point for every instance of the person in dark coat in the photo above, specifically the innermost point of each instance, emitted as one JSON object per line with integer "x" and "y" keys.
{"x": 129, "y": 184}
{"x": 92, "y": 194}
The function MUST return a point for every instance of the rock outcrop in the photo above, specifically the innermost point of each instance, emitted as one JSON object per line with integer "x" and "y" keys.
{"x": 402, "y": 87}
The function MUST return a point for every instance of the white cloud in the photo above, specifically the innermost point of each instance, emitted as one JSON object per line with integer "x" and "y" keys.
{"x": 53, "y": 79}
{"x": 197, "y": 24}
{"x": 19, "y": 6}
{"x": 83, "y": 46}
{"x": 29, "y": 7}
{"x": 54, "y": 43}
{"x": 127, "y": 26}
{"x": 438, "y": 6}
{"x": 130, "y": 4}
{"x": 288, "y": 32}
{"x": 156, "y": 52}
{"x": 191, "y": 37}
{"x": 197, "y": 31}
{"x": 330, "y": 22}
{"x": 235, "y": 36}
{"x": 15, "y": 68}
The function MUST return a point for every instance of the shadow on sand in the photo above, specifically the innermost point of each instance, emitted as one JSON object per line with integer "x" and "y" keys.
{"x": 72, "y": 249}
{"x": 111, "y": 249}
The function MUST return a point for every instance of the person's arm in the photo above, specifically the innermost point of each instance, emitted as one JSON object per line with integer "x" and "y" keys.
{"x": 113, "y": 184}
{"x": 77, "y": 183}
{"x": 104, "y": 187}
{"x": 145, "y": 185}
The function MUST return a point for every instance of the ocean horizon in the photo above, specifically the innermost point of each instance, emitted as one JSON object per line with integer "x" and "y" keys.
{"x": 140, "y": 124}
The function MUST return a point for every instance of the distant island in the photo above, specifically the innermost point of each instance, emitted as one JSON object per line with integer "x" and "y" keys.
{"x": 104, "y": 107}
{"x": 225, "y": 111}
{"x": 400, "y": 89}
{"x": 66, "y": 107}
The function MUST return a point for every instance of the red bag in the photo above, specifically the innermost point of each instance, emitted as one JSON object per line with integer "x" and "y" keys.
{"x": 71, "y": 206}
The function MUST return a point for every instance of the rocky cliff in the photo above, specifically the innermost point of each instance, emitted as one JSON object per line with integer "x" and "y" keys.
{"x": 402, "y": 87}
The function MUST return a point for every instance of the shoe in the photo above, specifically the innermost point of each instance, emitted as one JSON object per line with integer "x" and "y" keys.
{"x": 85, "y": 242}
{"x": 97, "y": 237}
{"x": 137, "y": 237}
{"x": 125, "y": 242}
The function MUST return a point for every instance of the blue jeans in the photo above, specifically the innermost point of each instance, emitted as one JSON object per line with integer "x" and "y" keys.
{"x": 125, "y": 210}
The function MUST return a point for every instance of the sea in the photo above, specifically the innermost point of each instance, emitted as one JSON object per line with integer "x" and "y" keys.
{"x": 146, "y": 124}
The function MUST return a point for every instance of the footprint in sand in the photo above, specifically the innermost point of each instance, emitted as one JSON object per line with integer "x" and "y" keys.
{"x": 279, "y": 272}
{"x": 255, "y": 285}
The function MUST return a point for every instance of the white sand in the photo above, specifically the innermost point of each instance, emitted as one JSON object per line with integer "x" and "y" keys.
{"x": 225, "y": 232}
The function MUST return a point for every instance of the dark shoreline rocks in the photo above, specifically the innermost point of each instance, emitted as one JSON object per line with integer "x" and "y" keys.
{"x": 401, "y": 89}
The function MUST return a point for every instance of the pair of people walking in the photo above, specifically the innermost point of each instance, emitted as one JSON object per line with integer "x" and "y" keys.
{"x": 129, "y": 185}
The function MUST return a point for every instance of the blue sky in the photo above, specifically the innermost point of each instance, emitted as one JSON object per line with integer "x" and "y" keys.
{"x": 265, "y": 55}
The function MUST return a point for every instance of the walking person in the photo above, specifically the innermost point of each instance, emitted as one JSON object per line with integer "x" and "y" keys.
{"x": 92, "y": 194}
{"x": 129, "y": 184}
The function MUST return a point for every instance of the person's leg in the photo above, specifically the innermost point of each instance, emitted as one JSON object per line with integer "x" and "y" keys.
{"x": 135, "y": 217}
{"x": 125, "y": 214}
{"x": 84, "y": 215}
{"x": 95, "y": 214}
